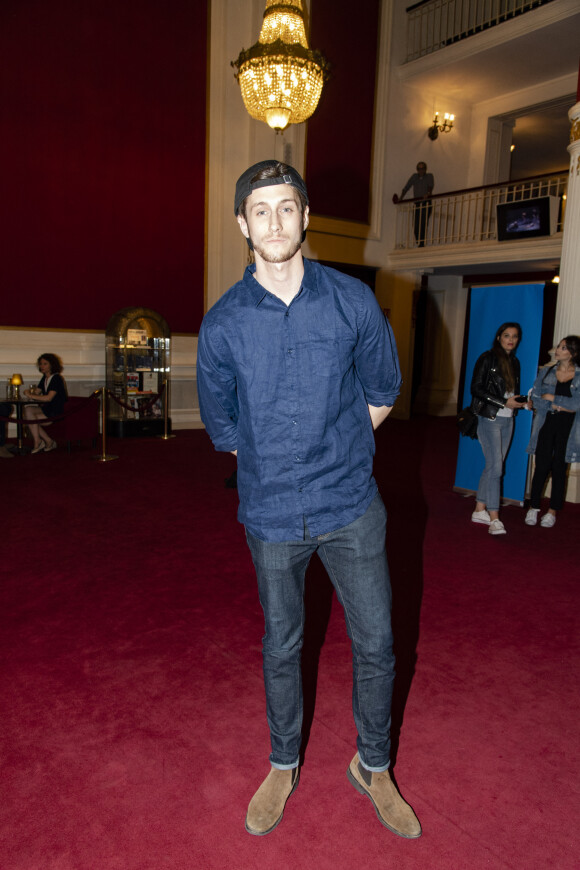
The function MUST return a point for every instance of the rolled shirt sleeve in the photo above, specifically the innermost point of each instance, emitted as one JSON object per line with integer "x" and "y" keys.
{"x": 376, "y": 359}
{"x": 216, "y": 387}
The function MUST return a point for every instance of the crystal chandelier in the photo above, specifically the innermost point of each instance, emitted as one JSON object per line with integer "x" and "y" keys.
{"x": 280, "y": 78}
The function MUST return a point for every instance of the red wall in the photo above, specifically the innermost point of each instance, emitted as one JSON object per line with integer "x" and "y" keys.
{"x": 340, "y": 133}
{"x": 102, "y": 177}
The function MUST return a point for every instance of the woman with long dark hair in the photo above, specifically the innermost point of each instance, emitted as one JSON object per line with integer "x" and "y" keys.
{"x": 555, "y": 437}
{"x": 495, "y": 387}
{"x": 49, "y": 398}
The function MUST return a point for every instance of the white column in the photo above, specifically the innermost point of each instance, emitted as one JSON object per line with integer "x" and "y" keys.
{"x": 568, "y": 307}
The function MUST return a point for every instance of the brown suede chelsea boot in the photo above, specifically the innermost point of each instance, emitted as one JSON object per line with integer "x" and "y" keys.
{"x": 267, "y": 806}
{"x": 393, "y": 812}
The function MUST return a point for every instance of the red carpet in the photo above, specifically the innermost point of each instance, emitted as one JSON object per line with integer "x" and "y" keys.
{"x": 133, "y": 725}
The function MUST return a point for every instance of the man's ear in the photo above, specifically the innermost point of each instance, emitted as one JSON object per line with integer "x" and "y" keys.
{"x": 243, "y": 226}
{"x": 305, "y": 217}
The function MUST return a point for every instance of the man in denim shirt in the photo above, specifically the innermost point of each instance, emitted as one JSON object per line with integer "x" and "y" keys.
{"x": 296, "y": 367}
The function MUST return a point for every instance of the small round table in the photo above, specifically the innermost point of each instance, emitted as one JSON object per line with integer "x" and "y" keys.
{"x": 20, "y": 448}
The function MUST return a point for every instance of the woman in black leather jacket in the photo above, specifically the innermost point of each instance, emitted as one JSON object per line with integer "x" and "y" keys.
{"x": 495, "y": 387}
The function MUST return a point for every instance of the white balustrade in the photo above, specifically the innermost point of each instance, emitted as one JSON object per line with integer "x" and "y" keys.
{"x": 434, "y": 24}
{"x": 468, "y": 216}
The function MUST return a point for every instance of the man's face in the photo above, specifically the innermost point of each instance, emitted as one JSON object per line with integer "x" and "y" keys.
{"x": 421, "y": 168}
{"x": 274, "y": 223}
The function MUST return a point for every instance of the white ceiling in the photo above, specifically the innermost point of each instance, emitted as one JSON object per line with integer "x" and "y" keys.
{"x": 513, "y": 55}
{"x": 541, "y": 139}
{"x": 538, "y": 46}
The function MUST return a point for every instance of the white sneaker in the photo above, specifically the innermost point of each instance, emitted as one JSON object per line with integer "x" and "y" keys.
{"x": 480, "y": 517}
{"x": 532, "y": 516}
{"x": 496, "y": 527}
{"x": 548, "y": 520}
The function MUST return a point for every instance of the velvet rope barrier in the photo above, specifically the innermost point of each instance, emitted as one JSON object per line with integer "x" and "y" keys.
{"x": 144, "y": 406}
{"x": 75, "y": 410}
{"x": 104, "y": 456}
{"x": 106, "y": 394}
{"x": 166, "y": 405}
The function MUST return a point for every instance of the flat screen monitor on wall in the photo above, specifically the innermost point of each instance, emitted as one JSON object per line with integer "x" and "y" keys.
{"x": 527, "y": 219}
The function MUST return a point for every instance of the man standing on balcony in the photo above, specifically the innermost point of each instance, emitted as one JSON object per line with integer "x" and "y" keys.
{"x": 296, "y": 366}
{"x": 422, "y": 183}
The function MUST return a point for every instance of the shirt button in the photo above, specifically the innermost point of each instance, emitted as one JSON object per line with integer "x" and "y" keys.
{"x": 297, "y": 458}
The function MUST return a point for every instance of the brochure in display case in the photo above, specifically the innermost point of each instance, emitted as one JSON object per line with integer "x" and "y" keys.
{"x": 132, "y": 382}
{"x": 137, "y": 337}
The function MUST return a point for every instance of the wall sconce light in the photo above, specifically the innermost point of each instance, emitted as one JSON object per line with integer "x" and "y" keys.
{"x": 440, "y": 126}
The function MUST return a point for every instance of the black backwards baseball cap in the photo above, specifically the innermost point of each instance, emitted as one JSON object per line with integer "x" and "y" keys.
{"x": 245, "y": 186}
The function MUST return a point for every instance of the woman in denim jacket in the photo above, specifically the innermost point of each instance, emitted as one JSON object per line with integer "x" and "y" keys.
{"x": 555, "y": 437}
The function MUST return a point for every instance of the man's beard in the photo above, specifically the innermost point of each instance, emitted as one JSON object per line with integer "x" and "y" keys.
{"x": 275, "y": 255}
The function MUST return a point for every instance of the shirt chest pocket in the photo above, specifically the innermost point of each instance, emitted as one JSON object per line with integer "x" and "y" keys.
{"x": 329, "y": 348}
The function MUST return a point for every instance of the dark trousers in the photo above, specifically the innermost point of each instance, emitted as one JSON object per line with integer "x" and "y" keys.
{"x": 551, "y": 457}
{"x": 422, "y": 214}
{"x": 5, "y": 411}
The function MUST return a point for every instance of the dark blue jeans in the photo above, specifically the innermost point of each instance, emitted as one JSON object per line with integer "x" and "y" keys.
{"x": 356, "y": 562}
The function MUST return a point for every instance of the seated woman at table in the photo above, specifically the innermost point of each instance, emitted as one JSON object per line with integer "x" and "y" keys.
{"x": 49, "y": 397}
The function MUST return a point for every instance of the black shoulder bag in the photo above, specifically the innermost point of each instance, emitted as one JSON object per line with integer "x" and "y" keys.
{"x": 467, "y": 423}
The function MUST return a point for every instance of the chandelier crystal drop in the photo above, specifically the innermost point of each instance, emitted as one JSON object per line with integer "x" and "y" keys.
{"x": 280, "y": 78}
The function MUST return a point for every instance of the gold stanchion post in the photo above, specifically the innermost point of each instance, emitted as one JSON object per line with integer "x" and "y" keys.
{"x": 104, "y": 457}
{"x": 166, "y": 406}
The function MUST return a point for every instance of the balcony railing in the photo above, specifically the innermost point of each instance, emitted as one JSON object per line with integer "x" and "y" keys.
{"x": 468, "y": 216}
{"x": 433, "y": 24}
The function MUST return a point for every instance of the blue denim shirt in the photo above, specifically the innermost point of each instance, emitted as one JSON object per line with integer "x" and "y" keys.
{"x": 546, "y": 383}
{"x": 288, "y": 388}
